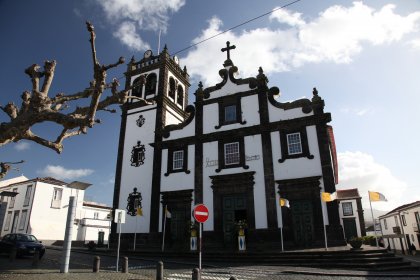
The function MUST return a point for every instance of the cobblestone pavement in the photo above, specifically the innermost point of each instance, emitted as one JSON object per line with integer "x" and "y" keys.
{"x": 81, "y": 269}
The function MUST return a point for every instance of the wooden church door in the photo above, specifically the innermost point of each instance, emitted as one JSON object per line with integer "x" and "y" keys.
{"x": 234, "y": 210}
{"x": 178, "y": 229}
{"x": 302, "y": 216}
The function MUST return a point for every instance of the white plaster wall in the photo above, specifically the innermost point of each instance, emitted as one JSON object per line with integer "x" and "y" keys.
{"x": 211, "y": 118}
{"x": 179, "y": 180}
{"x": 171, "y": 117}
{"x": 277, "y": 114}
{"x": 298, "y": 167}
{"x": 210, "y": 151}
{"x": 138, "y": 177}
{"x": 250, "y": 108}
{"x": 229, "y": 88}
{"x": 355, "y": 214}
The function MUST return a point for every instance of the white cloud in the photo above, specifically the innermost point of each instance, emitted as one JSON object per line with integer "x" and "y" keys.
{"x": 22, "y": 146}
{"x": 337, "y": 35}
{"x": 134, "y": 15}
{"x": 360, "y": 170}
{"x": 59, "y": 172}
{"x": 129, "y": 37}
{"x": 285, "y": 16}
{"x": 357, "y": 111}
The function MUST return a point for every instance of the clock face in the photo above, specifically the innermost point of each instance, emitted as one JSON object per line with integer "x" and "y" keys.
{"x": 148, "y": 54}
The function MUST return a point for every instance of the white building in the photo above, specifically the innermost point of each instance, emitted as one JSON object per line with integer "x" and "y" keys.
{"x": 400, "y": 227}
{"x": 351, "y": 213}
{"x": 40, "y": 208}
{"x": 237, "y": 150}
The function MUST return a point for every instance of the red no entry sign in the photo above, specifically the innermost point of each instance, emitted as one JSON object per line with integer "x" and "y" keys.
{"x": 201, "y": 213}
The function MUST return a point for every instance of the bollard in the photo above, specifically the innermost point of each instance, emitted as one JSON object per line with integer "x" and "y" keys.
{"x": 96, "y": 263}
{"x": 124, "y": 268}
{"x": 232, "y": 278}
{"x": 159, "y": 271}
{"x": 196, "y": 275}
{"x": 35, "y": 259}
{"x": 12, "y": 255}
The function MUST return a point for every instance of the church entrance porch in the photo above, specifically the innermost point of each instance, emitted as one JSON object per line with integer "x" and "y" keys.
{"x": 233, "y": 201}
{"x": 234, "y": 210}
{"x": 178, "y": 217}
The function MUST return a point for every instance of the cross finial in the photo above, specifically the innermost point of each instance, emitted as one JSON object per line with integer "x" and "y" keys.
{"x": 228, "y": 48}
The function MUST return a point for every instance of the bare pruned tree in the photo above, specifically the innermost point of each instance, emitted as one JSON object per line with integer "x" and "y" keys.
{"x": 37, "y": 106}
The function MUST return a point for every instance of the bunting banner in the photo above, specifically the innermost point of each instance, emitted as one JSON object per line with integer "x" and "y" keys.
{"x": 284, "y": 202}
{"x": 328, "y": 197}
{"x": 376, "y": 196}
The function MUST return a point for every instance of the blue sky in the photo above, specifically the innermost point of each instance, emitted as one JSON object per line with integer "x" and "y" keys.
{"x": 363, "y": 57}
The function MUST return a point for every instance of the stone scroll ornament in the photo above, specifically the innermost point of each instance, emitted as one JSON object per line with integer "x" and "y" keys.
{"x": 138, "y": 154}
{"x": 134, "y": 202}
{"x": 140, "y": 121}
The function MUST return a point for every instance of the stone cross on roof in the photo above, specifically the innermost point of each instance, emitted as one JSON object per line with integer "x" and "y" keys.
{"x": 227, "y": 49}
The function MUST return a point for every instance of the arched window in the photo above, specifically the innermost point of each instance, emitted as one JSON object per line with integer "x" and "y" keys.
{"x": 138, "y": 87}
{"x": 151, "y": 81}
{"x": 171, "y": 88}
{"x": 180, "y": 97}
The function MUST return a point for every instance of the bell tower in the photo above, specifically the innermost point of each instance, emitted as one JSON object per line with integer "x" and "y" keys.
{"x": 158, "y": 88}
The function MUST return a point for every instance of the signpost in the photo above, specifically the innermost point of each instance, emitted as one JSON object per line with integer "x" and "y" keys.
{"x": 119, "y": 218}
{"x": 200, "y": 214}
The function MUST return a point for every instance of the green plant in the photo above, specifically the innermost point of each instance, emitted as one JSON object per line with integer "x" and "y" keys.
{"x": 356, "y": 242}
{"x": 369, "y": 240}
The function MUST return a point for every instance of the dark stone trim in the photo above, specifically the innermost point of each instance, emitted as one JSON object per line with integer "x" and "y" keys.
{"x": 230, "y": 96}
{"x": 240, "y": 183}
{"x": 229, "y": 74}
{"x": 250, "y": 130}
{"x": 141, "y": 111}
{"x": 229, "y": 101}
{"x": 267, "y": 155}
{"x": 176, "y": 198}
{"x": 118, "y": 169}
{"x": 361, "y": 217}
{"x": 304, "y": 103}
{"x": 304, "y": 142}
{"x": 169, "y": 103}
{"x": 221, "y": 153}
{"x": 198, "y": 154}
{"x": 167, "y": 129}
{"x": 170, "y": 168}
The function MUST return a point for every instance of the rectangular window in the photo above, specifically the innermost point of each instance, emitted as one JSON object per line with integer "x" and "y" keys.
{"x": 96, "y": 215}
{"x": 347, "y": 208}
{"x": 385, "y": 224}
{"x": 396, "y": 221}
{"x": 27, "y": 195}
{"x": 56, "y": 199}
{"x": 22, "y": 222}
{"x": 294, "y": 143}
{"x": 404, "y": 222}
{"x": 230, "y": 114}
{"x": 232, "y": 153}
{"x": 416, "y": 214}
{"x": 178, "y": 160}
{"x": 12, "y": 199}
{"x": 8, "y": 220}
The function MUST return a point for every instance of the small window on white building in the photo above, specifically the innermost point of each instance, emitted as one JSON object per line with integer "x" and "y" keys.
{"x": 13, "y": 199}
{"x": 347, "y": 209}
{"x": 96, "y": 215}
{"x": 178, "y": 160}
{"x": 8, "y": 220}
{"x": 404, "y": 222}
{"x": 23, "y": 218}
{"x": 232, "y": 153}
{"x": 385, "y": 224}
{"x": 56, "y": 199}
{"x": 294, "y": 143}
{"x": 396, "y": 221}
{"x": 27, "y": 195}
{"x": 230, "y": 114}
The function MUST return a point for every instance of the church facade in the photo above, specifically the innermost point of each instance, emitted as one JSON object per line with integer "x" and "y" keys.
{"x": 237, "y": 149}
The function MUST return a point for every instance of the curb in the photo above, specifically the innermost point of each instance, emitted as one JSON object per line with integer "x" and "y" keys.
{"x": 316, "y": 273}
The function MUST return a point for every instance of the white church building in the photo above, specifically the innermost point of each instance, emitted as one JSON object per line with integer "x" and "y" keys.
{"x": 237, "y": 148}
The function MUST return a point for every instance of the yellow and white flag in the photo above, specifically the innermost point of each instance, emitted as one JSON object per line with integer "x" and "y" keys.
{"x": 284, "y": 202}
{"x": 139, "y": 211}
{"x": 328, "y": 197}
{"x": 168, "y": 214}
{"x": 376, "y": 196}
